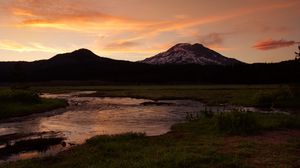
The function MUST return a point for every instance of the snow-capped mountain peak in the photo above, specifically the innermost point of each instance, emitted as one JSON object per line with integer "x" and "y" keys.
{"x": 185, "y": 53}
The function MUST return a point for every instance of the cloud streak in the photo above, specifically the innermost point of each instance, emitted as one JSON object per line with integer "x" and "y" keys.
{"x": 273, "y": 44}
{"x": 121, "y": 45}
{"x": 212, "y": 39}
{"x": 14, "y": 46}
{"x": 81, "y": 16}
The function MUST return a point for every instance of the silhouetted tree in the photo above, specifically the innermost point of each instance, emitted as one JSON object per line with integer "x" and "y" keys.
{"x": 18, "y": 76}
{"x": 298, "y": 54}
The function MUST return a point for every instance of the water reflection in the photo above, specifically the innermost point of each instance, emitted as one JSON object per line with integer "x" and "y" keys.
{"x": 90, "y": 116}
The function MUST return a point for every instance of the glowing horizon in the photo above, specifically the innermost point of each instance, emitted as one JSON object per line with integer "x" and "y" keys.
{"x": 250, "y": 31}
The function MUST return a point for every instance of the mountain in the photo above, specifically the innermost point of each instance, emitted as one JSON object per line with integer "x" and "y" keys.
{"x": 81, "y": 64}
{"x": 185, "y": 53}
{"x": 81, "y": 55}
{"x": 82, "y": 58}
{"x": 84, "y": 66}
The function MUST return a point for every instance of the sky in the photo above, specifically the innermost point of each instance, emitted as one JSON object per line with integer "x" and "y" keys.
{"x": 248, "y": 30}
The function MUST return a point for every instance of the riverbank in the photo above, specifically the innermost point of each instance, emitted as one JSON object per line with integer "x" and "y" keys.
{"x": 266, "y": 96}
{"x": 18, "y": 103}
{"x": 198, "y": 143}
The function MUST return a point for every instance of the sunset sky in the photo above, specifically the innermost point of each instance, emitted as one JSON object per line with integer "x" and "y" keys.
{"x": 248, "y": 30}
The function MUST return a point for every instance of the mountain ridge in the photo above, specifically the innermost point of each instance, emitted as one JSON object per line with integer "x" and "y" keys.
{"x": 84, "y": 65}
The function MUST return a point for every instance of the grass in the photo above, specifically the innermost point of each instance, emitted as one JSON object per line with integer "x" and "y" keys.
{"x": 237, "y": 123}
{"x": 198, "y": 143}
{"x": 22, "y": 96}
{"x": 16, "y": 103}
{"x": 249, "y": 123}
{"x": 246, "y": 123}
{"x": 245, "y": 95}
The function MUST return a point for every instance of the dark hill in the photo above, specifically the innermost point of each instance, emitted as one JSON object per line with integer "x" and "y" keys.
{"x": 80, "y": 55}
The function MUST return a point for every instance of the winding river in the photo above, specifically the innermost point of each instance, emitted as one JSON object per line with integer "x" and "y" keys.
{"x": 86, "y": 117}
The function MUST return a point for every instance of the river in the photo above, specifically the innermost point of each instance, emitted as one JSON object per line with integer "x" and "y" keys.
{"x": 86, "y": 117}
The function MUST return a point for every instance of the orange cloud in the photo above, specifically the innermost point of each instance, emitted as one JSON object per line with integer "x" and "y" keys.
{"x": 21, "y": 12}
{"x": 14, "y": 46}
{"x": 70, "y": 15}
{"x": 180, "y": 24}
{"x": 273, "y": 44}
{"x": 82, "y": 16}
{"x": 212, "y": 39}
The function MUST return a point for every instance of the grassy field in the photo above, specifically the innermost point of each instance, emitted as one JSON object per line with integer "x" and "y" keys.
{"x": 273, "y": 142}
{"x": 16, "y": 103}
{"x": 246, "y": 95}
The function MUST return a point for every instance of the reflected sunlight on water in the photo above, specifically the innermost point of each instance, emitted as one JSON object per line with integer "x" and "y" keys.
{"x": 90, "y": 116}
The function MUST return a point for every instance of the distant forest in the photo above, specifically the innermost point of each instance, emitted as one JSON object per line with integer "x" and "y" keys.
{"x": 112, "y": 71}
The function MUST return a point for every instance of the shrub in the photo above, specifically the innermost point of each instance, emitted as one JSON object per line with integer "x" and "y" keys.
{"x": 237, "y": 123}
{"x": 291, "y": 122}
{"x": 263, "y": 100}
{"x": 282, "y": 97}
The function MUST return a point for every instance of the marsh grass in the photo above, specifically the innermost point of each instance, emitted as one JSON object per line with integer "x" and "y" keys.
{"x": 237, "y": 123}
{"x": 245, "y": 95}
{"x": 241, "y": 122}
{"x": 16, "y": 103}
{"x": 287, "y": 96}
{"x": 249, "y": 123}
{"x": 20, "y": 96}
